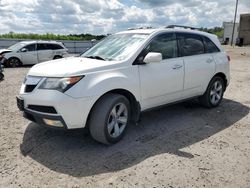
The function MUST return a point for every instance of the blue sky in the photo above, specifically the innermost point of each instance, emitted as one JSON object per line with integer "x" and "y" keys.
{"x": 109, "y": 16}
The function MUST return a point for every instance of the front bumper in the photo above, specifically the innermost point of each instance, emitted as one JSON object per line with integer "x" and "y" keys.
{"x": 40, "y": 119}
{"x": 70, "y": 112}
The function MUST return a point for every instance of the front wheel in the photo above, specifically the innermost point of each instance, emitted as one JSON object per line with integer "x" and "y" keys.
{"x": 109, "y": 118}
{"x": 214, "y": 93}
{"x": 14, "y": 62}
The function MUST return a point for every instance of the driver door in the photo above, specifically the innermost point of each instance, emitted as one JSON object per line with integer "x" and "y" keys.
{"x": 161, "y": 82}
{"x": 29, "y": 54}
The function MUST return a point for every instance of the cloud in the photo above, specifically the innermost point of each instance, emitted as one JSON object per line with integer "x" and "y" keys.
{"x": 109, "y": 16}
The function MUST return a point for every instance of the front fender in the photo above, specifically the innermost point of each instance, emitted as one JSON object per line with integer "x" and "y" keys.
{"x": 97, "y": 84}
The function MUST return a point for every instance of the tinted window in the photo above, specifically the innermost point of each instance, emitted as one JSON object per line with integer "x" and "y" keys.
{"x": 190, "y": 44}
{"x": 31, "y": 47}
{"x": 55, "y": 46}
{"x": 43, "y": 46}
{"x": 165, "y": 44}
{"x": 210, "y": 46}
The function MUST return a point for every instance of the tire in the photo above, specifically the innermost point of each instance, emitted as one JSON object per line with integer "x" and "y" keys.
{"x": 105, "y": 123}
{"x": 214, "y": 93}
{"x": 1, "y": 76}
{"x": 57, "y": 57}
{"x": 14, "y": 62}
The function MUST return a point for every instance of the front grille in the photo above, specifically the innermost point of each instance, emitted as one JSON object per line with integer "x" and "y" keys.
{"x": 44, "y": 109}
{"x": 29, "y": 88}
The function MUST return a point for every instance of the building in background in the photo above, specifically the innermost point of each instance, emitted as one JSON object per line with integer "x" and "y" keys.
{"x": 228, "y": 31}
{"x": 244, "y": 30}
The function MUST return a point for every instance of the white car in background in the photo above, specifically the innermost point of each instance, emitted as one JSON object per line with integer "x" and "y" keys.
{"x": 32, "y": 52}
{"x": 126, "y": 73}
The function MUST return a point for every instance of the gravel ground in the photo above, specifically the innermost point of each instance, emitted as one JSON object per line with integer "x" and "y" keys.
{"x": 182, "y": 145}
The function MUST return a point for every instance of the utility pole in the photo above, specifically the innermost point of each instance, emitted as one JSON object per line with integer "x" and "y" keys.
{"x": 236, "y": 8}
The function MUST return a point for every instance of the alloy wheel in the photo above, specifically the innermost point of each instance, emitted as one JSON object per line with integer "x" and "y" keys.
{"x": 117, "y": 120}
{"x": 216, "y": 92}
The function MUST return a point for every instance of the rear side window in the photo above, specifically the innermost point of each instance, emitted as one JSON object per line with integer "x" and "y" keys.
{"x": 43, "y": 46}
{"x": 165, "y": 44}
{"x": 190, "y": 44}
{"x": 210, "y": 47}
{"x": 55, "y": 47}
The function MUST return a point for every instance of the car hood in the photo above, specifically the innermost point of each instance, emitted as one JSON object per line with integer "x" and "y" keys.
{"x": 2, "y": 51}
{"x": 71, "y": 66}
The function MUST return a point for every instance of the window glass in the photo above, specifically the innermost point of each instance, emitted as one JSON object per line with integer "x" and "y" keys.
{"x": 43, "y": 46}
{"x": 190, "y": 44}
{"x": 165, "y": 44}
{"x": 117, "y": 47}
{"x": 55, "y": 46}
{"x": 31, "y": 47}
{"x": 210, "y": 46}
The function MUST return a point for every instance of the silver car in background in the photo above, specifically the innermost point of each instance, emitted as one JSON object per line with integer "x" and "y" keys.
{"x": 32, "y": 52}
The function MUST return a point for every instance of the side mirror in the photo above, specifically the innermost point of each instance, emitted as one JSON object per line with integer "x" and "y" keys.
{"x": 153, "y": 57}
{"x": 24, "y": 50}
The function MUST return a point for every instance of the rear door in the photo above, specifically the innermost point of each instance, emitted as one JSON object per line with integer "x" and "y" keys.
{"x": 58, "y": 51}
{"x": 44, "y": 51}
{"x": 29, "y": 54}
{"x": 199, "y": 65}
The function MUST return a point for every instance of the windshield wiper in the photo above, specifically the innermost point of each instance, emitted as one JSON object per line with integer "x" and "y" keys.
{"x": 95, "y": 57}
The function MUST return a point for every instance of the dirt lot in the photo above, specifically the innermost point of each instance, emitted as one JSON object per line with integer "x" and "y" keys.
{"x": 182, "y": 145}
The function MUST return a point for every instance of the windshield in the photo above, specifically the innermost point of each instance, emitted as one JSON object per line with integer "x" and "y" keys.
{"x": 16, "y": 47}
{"x": 116, "y": 47}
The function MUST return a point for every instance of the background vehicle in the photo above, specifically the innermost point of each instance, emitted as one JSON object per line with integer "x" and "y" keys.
{"x": 32, "y": 52}
{"x": 124, "y": 74}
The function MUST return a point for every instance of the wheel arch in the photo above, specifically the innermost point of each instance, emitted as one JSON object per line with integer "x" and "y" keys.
{"x": 12, "y": 57}
{"x": 57, "y": 57}
{"x": 135, "y": 105}
{"x": 223, "y": 76}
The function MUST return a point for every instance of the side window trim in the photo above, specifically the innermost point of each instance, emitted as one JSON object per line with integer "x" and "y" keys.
{"x": 35, "y": 49}
{"x": 136, "y": 61}
{"x": 204, "y": 38}
{"x": 179, "y": 46}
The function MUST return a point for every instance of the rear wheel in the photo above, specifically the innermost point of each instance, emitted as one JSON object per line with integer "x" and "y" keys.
{"x": 13, "y": 62}
{"x": 57, "y": 57}
{"x": 109, "y": 118}
{"x": 214, "y": 93}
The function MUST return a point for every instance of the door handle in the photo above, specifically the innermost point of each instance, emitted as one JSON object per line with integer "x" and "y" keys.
{"x": 176, "y": 67}
{"x": 209, "y": 60}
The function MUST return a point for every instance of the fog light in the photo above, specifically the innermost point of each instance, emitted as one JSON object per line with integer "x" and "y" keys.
{"x": 55, "y": 123}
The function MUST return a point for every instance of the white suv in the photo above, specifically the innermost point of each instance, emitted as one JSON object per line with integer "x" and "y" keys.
{"x": 32, "y": 52}
{"x": 126, "y": 73}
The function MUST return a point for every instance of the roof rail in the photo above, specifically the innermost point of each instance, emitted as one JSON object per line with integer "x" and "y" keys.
{"x": 182, "y": 26}
{"x": 146, "y": 27}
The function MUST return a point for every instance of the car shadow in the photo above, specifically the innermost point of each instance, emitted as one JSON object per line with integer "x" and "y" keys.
{"x": 165, "y": 130}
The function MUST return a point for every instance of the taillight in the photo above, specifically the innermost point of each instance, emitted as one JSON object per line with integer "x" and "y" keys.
{"x": 228, "y": 58}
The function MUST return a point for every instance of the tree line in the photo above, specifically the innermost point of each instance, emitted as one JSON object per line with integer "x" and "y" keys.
{"x": 216, "y": 30}
{"x": 50, "y": 36}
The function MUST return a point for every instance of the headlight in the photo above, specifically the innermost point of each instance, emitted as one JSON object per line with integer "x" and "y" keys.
{"x": 60, "y": 84}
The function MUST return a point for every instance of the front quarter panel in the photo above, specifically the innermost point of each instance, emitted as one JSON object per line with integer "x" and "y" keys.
{"x": 13, "y": 54}
{"x": 98, "y": 83}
